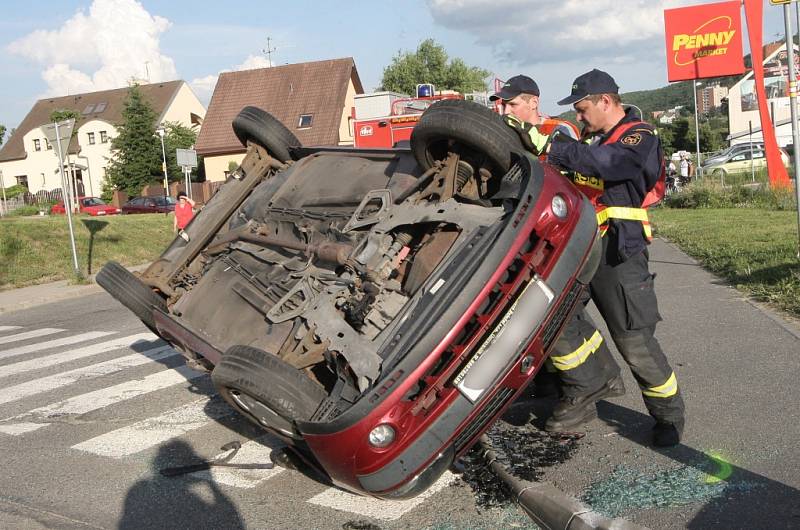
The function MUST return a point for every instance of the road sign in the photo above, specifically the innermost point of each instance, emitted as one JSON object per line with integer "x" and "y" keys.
{"x": 186, "y": 157}
{"x": 64, "y": 134}
{"x": 781, "y": 2}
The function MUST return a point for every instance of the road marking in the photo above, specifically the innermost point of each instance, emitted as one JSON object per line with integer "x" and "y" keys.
{"x": 51, "y": 382}
{"x": 377, "y": 508}
{"x": 256, "y": 451}
{"x": 9, "y": 328}
{"x": 153, "y": 431}
{"x": 66, "y": 341}
{"x": 29, "y": 335}
{"x": 73, "y": 355}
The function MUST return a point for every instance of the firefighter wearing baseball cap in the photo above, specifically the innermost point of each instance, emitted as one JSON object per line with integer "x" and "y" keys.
{"x": 580, "y": 342}
{"x": 619, "y": 166}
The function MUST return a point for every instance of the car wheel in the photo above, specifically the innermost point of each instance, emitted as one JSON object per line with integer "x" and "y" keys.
{"x": 131, "y": 292}
{"x": 268, "y": 391}
{"x": 467, "y": 128}
{"x": 261, "y": 127}
{"x": 719, "y": 173}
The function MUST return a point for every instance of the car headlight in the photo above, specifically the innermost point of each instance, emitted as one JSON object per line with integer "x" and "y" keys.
{"x": 382, "y": 435}
{"x": 559, "y": 206}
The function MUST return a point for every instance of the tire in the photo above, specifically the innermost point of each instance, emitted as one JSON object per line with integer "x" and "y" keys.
{"x": 131, "y": 292}
{"x": 266, "y": 390}
{"x": 259, "y": 126}
{"x": 468, "y": 128}
{"x": 719, "y": 173}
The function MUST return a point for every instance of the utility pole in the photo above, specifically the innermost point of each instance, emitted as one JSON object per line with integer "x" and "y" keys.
{"x": 787, "y": 19}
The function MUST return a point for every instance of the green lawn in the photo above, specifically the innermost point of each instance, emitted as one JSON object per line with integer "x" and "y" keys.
{"x": 754, "y": 249}
{"x": 37, "y": 250}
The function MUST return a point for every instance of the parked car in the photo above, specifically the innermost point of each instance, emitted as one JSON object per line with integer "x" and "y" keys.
{"x": 158, "y": 204}
{"x": 90, "y": 205}
{"x": 377, "y": 309}
{"x": 722, "y": 156}
{"x": 741, "y": 161}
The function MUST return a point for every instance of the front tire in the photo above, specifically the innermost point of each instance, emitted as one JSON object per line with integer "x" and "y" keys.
{"x": 259, "y": 126}
{"x": 266, "y": 390}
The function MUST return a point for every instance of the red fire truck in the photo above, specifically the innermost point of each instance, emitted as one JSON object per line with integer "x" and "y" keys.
{"x": 382, "y": 119}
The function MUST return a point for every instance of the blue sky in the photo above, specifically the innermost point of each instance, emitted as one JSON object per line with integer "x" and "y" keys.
{"x": 58, "y": 47}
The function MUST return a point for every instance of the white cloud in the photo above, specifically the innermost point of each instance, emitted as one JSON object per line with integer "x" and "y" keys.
{"x": 557, "y": 31}
{"x": 115, "y": 41}
{"x": 204, "y": 86}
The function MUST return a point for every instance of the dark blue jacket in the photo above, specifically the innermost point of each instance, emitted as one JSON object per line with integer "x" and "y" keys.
{"x": 629, "y": 168}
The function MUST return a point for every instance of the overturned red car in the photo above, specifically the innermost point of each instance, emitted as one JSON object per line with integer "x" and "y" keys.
{"x": 376, "y": 308}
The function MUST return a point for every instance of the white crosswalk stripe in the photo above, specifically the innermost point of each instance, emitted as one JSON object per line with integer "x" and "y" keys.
{"x": 29, "y": 335}
{"x": 194, "y": 419}
{"x": 66, "y": 341}
{"x": 74, "y": 354}
{"x": 152, "y": 431}
{"x": 46, "y": 384}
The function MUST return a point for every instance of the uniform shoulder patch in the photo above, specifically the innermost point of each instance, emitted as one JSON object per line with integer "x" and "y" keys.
{"x": 632, "y": 139}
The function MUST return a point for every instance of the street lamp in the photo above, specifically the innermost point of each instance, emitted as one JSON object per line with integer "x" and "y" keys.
{"x": 161, "y": 131}
{"x": 696, "y": 123}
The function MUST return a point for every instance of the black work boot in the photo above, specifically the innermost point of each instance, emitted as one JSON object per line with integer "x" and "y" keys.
{"x": 573, "y": 411}
{"x": 667, "y": 434}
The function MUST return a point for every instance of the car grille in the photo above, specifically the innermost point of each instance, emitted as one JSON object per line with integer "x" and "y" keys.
{"x": 494, "y": 404}
{"x": 563, "y": 311}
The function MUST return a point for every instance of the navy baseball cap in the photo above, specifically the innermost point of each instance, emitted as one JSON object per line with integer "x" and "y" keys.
{"x": 519, "y": 84}
{"x": 589, "y": 84}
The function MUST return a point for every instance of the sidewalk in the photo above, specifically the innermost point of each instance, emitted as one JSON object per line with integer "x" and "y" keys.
{"x": 27, "y": 297}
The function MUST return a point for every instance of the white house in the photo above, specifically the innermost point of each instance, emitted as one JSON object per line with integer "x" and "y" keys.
{"x": 28, "y": 158}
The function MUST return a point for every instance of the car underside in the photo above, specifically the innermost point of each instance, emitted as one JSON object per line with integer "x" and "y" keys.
{"x": 377, "y": 309}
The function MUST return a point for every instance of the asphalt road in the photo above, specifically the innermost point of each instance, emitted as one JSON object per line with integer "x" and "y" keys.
{"x": 92, "y": 407}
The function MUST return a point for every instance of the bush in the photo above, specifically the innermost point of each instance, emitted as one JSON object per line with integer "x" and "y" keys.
{"x": 13, "y": 191}
{"x": 705, "y": 196}
{"x": 27, "y": 210}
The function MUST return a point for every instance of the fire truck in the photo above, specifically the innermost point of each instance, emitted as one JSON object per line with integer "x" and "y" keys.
{"x": 382, "y": 119}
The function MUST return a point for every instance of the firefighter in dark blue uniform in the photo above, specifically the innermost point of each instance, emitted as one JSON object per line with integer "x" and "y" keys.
{"x": 618, "y": 165}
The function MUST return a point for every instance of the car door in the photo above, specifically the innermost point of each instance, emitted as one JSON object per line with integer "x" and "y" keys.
{"x": 738, "y": 163}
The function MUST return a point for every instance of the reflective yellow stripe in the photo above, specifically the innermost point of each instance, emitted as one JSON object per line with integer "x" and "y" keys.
{"x": 577, "y": 358}
{"x": 668, "y": 389}
{"x": 626, "y": 214}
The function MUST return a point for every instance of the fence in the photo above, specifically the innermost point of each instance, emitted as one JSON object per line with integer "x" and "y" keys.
{"x": 40, "y": 198}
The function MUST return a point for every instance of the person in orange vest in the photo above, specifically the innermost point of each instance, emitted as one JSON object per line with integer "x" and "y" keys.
{"x": 184, "y": 211}
{"x": 619, "y": 165}
{"x": 580, "y": 342}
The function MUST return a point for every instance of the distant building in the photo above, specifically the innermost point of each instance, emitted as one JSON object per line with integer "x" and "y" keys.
{"x": 314, "y": 100}
{"x": 28, "y": 158}
{"x": 668, "y": 116}
{"x": 710, "y": 97}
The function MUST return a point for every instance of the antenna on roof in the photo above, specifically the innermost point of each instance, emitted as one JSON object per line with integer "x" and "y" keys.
{"x": 268, "y": 51}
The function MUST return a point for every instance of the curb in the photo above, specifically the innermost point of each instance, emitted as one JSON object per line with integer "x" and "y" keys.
{"x": 46, "y": 293}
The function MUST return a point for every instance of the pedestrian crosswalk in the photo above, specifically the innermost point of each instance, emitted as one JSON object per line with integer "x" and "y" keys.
{"x": 52, "y": 377}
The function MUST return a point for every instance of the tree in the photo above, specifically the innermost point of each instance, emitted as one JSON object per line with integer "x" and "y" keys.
{"x": 64, "y": 114}
{"x": 2, "y": 133}
{"x": 136, "y": 150}
{"x": 177, "y": 137}
{"x": 429, "y": 65}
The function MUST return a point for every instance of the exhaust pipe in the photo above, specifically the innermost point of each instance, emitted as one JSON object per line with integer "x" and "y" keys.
{"x": 549, "y": 507}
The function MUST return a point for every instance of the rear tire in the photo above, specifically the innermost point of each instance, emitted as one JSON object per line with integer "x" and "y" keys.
{"x": 259, "y": 126}
{"x": 131, "y": 292}
{"x": 266, "y": 390}
{"x": 465, "y": 127}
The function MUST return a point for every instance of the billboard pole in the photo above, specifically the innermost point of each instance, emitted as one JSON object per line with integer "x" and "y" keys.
{"x": 787, "y": 19}
{"x": 66, "y": 203}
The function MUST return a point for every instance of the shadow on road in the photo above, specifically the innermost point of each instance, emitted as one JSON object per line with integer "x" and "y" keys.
{"x": 751, "y": 500}
{"x": 179, "y": 502}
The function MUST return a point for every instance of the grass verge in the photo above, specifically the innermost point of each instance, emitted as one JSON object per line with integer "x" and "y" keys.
{"x": 36, "y": 249}
{"x": 754, "y": 249}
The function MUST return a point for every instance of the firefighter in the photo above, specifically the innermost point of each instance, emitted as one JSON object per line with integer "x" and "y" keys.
{"x": 619, "y": 166}
{"x": 580, "y": 343}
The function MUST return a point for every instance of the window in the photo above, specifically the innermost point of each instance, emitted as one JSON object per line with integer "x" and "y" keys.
{"x": 37, "y": 144}
{"x": 22, "y": 180}
{"x": 47, "y": 143}
{"x": 103, "y": 137}
{"x": 739, "y": 158}
{"x": 91, "y": 138}
{"x": 89, "y": 109}
{"x": 100, "y": 107}
{"x": 305, "y": 121}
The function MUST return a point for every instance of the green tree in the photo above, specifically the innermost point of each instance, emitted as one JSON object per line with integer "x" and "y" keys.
{"x": 2, "y": 133}
{"x": 178, "y": 137}
{"x": 136, "y": 150}
{"x": 64, "y": 114}
{"x": 429, "y": 64}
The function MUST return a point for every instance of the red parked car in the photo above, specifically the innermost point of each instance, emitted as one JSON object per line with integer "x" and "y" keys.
{"x": 91, "y": 205}
{"x": 376, "y": 308}
{"x": 159, "y": 204}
